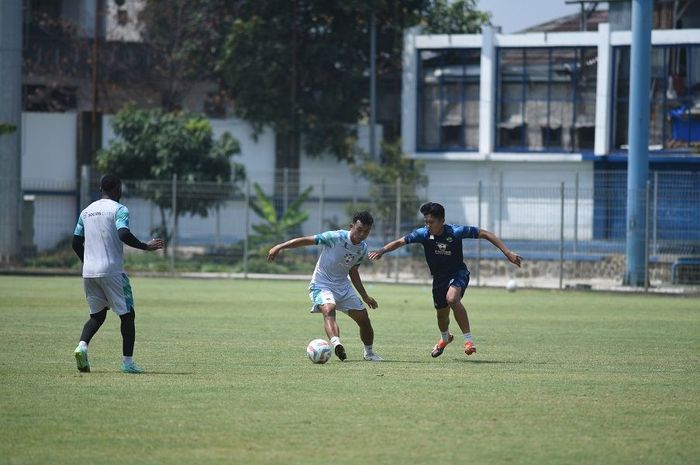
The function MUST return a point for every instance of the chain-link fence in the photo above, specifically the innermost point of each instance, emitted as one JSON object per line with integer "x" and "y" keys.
{"x": 570, "y": 235}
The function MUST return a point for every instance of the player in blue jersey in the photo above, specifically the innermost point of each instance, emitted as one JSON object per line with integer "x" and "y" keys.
{"x": 102, "y": 228}
{"x": 343, "y": 252}
{"x": 442, "y": 244}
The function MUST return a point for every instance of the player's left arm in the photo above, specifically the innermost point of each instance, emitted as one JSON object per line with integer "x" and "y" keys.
{"x": 121, "y": 221}
{"x": 357, "y": 282}
{"x": 512, "y": 257}
{"x": 129, "y": 239}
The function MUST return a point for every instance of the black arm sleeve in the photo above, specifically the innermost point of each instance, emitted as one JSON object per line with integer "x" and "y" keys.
{"x": 129, "y": 239}
{"x": 79, "y": 247}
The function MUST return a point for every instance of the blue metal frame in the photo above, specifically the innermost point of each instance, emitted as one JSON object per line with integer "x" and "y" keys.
{"x": 420, "y": 148}
{"x": 615, "y": 100}
{"x": 523, "y": 148}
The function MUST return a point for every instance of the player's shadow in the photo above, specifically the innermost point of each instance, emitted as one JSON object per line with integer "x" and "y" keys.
{"x": 386, "y": 361}
{"x": 184, "y": 373}
{"x": 144, "y": 374}
{"x": 508, "y": 362}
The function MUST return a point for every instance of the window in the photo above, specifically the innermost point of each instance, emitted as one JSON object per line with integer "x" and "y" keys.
{"x": 674, "y": 111}
{"x": 53, "y": 99}
{"x": 448, "y": 99}
{"x": 546, "y": 99}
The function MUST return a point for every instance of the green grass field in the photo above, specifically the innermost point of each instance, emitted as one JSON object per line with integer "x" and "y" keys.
{"x": 560, "y": 378}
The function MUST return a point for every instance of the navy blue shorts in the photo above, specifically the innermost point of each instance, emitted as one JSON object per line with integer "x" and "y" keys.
{"x": 442, "y": 283}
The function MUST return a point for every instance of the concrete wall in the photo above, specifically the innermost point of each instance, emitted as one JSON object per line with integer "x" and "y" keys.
{"x": 49, "y": 174}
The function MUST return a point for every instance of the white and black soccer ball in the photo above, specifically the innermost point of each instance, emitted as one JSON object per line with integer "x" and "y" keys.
{"x": 319, "y": 351}
{"x": 512, "y": 285}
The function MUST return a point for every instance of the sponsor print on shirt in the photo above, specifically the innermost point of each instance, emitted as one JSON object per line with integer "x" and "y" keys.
{"x": 441, "y": 249}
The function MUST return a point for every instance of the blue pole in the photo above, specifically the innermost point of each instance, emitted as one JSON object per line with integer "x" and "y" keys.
{"x": 638, "y": 137}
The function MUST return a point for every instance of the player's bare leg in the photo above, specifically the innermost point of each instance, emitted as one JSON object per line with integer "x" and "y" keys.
{"x": 329, "y": 322}
{"x": 361, "y": 317}
{"x": 454, "y": 300}
{"x": 332, "y": 330}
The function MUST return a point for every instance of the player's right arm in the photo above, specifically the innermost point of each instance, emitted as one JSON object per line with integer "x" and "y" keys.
{"x": 79, "y": 240}
{"x": 290, "y": 244}
{"x": 390, "y": 247}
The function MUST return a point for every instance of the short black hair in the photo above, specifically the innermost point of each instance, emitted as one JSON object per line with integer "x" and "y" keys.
{"x": 433, "y": 209}
{"x": 365, "y": 218}
{"x": 109, "y": 183}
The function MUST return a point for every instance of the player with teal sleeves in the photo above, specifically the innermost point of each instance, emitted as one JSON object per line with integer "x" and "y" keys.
{"x": 442, "y": 244}
{"x": 342, "y": 253}
{"x": 97, "y": 240}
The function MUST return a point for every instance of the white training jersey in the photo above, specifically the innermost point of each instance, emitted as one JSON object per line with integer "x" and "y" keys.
{"x": 104, "y": 251}
{"x": 339, "y": 254}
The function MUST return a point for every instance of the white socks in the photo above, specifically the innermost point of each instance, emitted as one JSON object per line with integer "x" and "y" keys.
{"x": 82, "y": 345}
{"x": 468, "y": 337}
{"x": 445, "y": 336}
{"x": 368, "y": 350}
{"x": 128, "y": 360}
{"x": 335, "y": 340}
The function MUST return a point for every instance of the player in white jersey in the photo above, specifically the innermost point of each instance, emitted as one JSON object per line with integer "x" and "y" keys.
{"x": 343, "y": 252}
{"x": 97, "y": 240}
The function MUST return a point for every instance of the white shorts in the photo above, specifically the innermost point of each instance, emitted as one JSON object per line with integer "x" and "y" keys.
{"x": 344, "y": 299}
{"x": 109, "y": 291}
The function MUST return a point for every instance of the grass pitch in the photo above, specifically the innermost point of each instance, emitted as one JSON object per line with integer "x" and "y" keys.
{"x": 560, "y": 378}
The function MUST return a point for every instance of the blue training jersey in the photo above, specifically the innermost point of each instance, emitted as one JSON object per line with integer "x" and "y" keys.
{"x": 444, "y": 252}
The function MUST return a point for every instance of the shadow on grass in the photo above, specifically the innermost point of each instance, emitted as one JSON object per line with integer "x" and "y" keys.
{"x": 145, "y": 373}
{"x": 513, "y": 362}
{"x": 387, "y": 361}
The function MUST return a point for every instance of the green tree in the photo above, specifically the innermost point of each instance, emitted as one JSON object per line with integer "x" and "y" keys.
{"x": 301, "y": 68}
{"x": 382, "y": 176}
{"x": 7, "y": 128}
{"x": 275, "y": 227}
{"x": 153, "y": 145}
{"x": 455, "y": 17}
{"x": 184, "y": 39}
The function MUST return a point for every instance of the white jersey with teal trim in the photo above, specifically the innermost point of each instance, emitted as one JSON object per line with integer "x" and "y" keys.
{"x": 338, "y": 256}
{"x": 104, "y": 251}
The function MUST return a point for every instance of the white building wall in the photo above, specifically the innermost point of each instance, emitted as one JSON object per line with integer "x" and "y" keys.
{"x": 48, "y": 146}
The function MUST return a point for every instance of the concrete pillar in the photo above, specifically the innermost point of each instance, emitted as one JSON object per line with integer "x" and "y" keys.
{"x": 408, "y": 92}
{"x": 603, "y": 92}
{"x": 10, "y": 119}
{"x": 487, "y": 91}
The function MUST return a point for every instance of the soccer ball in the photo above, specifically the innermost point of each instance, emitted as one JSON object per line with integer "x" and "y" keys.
{"x": 319, "y": 351}
{"x": 512, "y": 286}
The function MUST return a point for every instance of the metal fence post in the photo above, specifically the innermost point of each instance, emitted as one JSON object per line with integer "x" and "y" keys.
{"x": 85, "y": 178}
{"x": 500, "y": 204}
{"x": 398, "y": 226}
{"x": 478, "y": 243}
{"x": 285, "y": 198}
{"x": 247, "y": 228}
{"x": 576, "y": 214}
{"x": 321, "y": 206}
{"x": 656, "y": 212}
{"x": 173, "y": 233}
{"x": 646, "y": 238}
{"x": 217, "y": 239}
{"x": 561, "y": 239}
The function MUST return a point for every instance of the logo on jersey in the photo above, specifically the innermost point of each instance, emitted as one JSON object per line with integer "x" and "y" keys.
{"x": 348, "y": 258}
{"x": 449, "y": 239}
{"x": 441, "y": 249}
